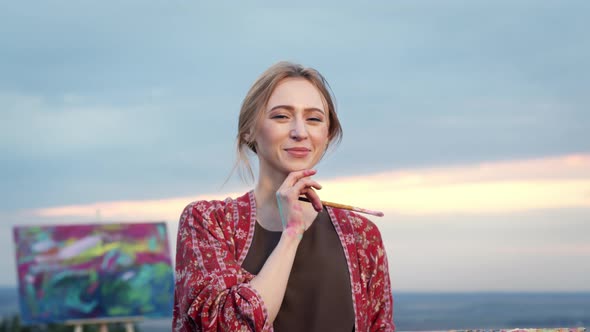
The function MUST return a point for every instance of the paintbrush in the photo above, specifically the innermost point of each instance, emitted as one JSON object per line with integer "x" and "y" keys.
{"x": 346, "y": 207}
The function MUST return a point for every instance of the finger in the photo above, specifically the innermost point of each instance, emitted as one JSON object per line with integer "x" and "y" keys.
{"x": 302, "y": 184}
{"x": 293, "y": 177}
{"x": 307, "y": 189}
{"x": 291, "y": 192}
{"x": 314, "y": 199}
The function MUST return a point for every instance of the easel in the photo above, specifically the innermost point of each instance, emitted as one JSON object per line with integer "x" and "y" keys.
{"x": 103, "y": 323}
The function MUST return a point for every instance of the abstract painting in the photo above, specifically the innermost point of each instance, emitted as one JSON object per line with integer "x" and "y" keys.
{"x": 77, "y": 272}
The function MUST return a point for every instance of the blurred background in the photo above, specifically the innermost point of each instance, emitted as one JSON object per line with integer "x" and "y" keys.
{"x": 466, "y": 122}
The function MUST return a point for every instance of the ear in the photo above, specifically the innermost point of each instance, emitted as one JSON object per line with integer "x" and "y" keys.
{"x": 249, "y": 141}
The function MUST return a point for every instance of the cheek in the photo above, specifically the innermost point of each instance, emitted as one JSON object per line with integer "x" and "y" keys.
{"x": 268, "y": 135}
{"x": 322, "y": 135}
{"x": 264, "y": 132}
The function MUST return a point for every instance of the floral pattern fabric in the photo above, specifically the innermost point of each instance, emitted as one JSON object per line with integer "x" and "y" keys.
{"x": 213, "y": 293}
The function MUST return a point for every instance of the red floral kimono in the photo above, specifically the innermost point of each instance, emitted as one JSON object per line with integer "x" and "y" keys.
{"x": 213, "y": 292}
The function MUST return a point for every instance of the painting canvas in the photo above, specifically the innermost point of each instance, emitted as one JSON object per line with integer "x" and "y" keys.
{"x": 77, "y": 272}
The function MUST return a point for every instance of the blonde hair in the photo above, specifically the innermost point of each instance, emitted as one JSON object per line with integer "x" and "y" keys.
{"x": 257, "y": 98}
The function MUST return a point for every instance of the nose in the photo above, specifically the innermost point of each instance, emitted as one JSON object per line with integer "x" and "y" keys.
{"x": 298, "y": 130}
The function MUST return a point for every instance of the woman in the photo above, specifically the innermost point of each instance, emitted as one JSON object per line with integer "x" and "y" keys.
{"x": 267, "y": 260}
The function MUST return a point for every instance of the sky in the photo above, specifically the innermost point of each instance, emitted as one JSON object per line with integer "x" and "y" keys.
{"x": 466, "y": 123}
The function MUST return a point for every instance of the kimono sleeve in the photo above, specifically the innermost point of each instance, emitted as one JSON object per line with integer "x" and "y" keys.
{"x": 379, "y": 287}
{"x": 212, "y": 292}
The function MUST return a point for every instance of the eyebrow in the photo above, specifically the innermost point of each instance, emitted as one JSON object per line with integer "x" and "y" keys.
{"x": 291, "y": 108}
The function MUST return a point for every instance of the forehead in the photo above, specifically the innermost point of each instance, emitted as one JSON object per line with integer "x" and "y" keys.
{"x": 296, "y": 92}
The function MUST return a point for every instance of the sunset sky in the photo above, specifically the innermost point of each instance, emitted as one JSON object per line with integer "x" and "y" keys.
{"x": 466, "y": 123}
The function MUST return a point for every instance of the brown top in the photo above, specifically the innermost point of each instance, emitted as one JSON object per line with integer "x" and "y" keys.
{"x": 318, "y": 295}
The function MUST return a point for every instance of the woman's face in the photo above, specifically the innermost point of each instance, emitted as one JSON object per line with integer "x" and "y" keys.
{"x": 293, "y": 132}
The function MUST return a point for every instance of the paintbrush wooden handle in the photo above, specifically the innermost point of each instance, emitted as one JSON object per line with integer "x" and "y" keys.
{"x": 346, "y": 207}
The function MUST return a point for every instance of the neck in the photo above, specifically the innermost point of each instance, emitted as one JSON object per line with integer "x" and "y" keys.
{"x": 266, "y": 189}
{"x": 267, "y": 210}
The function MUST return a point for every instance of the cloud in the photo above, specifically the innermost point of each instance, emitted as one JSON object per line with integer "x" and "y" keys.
{"x": 497, "y": 222}
{"x": 477, "y": 188}
{"x": 555, "y": 249}
{"x": 540, "y": 250}
{"x": 493, "y": 187}
{"x": 36, "y": 126}
{"x": 101, "y": 110}
{"x": 163, "y": 209}
{"x": 103, "y": 100}
{"x": 75, "y": 148}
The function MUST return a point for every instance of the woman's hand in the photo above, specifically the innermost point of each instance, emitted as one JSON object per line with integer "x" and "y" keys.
{"x": 271, "y": 281}
{"x": 296, "y": 184}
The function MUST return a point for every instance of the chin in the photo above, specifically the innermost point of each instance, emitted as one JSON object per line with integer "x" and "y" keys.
{"x": 294, "y": 167}
{"x": 289, "y": 165}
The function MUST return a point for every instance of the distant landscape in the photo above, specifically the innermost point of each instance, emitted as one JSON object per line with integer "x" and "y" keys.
{"x": 445, "y": 311}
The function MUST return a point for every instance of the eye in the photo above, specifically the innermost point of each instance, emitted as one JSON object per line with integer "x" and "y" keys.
{"x": 279, "y": 116}
{"x": 315, "y": 119}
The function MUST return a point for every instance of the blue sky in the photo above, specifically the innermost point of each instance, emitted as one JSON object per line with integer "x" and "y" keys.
{"x": 136, "y": 101}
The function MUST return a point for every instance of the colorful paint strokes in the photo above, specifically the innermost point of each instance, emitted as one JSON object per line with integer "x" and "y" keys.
{"x": 73, "y": 272}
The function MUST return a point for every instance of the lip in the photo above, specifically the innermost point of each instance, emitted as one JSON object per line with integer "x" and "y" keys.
{"x": 298, "y": 152}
